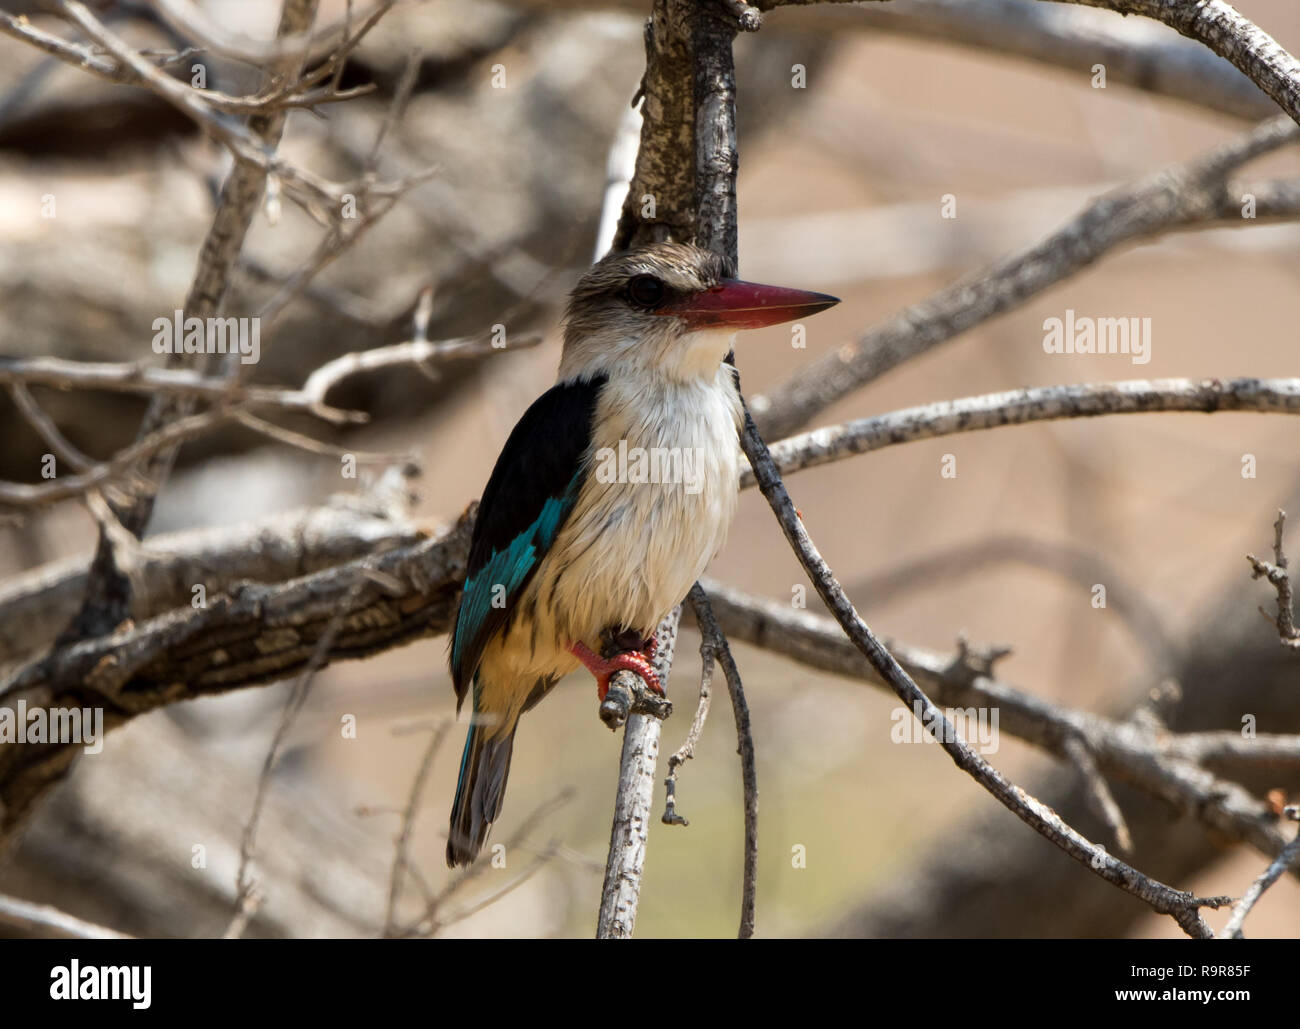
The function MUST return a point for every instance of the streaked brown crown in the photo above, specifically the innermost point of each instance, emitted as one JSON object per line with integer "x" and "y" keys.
{"x": 614, "y": 287}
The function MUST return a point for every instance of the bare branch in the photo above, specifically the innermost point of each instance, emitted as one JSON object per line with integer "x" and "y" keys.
{"x": 1170, "y": 766}
{"x": 1134, "y": 53}
{"x": 1284, "y": 861}
{"x": 107, "y": 589}
{"x": 257, "y": 634}
{"x": 621, "y": 891}
{"x": 1213, "y": 23}
{"x": 417, "y": 352}
{"x": 686, "y": 751}
{"x": 1280, "y": 579}
{"x": 1099, "y": 794}
{"x": 1185, "y": 195}
{"x": 1184, "y": 908}
{"x": 167, "y": 568}
{"x": 50, "y": 921}
{"x": 1230, "y": 35}
{"x": 1021, "y": 406}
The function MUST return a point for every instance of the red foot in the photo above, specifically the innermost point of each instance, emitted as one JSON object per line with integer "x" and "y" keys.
{"x": 604, "y": 668}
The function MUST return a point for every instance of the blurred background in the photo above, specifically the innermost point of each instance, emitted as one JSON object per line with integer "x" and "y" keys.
{"x": 840, "y": 190}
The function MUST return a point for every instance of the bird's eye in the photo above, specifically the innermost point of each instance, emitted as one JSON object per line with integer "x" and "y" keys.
{"x": 645, "y": 291}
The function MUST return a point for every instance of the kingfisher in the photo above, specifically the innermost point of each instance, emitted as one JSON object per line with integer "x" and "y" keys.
{"x": 612, "y": 493}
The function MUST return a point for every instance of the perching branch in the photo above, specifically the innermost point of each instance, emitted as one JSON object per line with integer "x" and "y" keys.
{"x": 687, "y": 166}
{"x": 634, "y": 794}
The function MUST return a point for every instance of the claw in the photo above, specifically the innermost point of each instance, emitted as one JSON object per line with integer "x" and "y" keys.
{"x": 603, "y": 668}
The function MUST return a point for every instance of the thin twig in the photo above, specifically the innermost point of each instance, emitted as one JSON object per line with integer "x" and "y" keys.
{"x": 245, "y": 886}
{"x": 1290, "y": 854}
{"x": 1278, "y": 577}
{"x": 687, "y": 750}
{"x": 401, "y": 862}
{"x": 712, "y": 632}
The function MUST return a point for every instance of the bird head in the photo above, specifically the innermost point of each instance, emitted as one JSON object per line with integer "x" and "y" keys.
{"x": 671, "y": 310}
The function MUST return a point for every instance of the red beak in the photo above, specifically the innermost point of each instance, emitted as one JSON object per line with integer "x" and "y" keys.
{"x": 733, "y": 304}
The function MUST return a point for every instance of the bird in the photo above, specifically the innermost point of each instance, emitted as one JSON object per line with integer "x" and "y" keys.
{"x": 612, "y": 493}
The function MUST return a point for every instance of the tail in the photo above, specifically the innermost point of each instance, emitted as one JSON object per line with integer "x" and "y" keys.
{"x": 482, "y": 785}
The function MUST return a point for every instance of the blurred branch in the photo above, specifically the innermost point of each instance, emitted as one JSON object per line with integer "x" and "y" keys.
{"x": 121, "y": 466}
{"x": 433, "y": 920}
{"x": 148, "y": 380}
{"x": 401, "y": 862}
{"x": 232, "y": 398}
{"x": 1185, "y": 195}
{"x": 189, "y": 20}
{"x": 248, "y": 892}
{"x": 253, "y": 635}
{"x": 1099, "y": 795}
{"x": 1134, "y": 54}
{"x": 939, "y": 567}
{"x": 167, "y": 568}
{"x": 124, "y": 469}
{"x": 45, "y": 920}
{"x": 1230, "y": 35}
{"x": 418, "y": 352}
{"x": 107, "y": 589}
{"x": 114, "y": 69}
{"x": 1211, "y": 22}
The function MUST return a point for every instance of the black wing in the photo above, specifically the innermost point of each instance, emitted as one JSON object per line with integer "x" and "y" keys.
{"x": 532, "y": 490}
